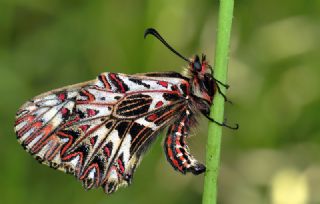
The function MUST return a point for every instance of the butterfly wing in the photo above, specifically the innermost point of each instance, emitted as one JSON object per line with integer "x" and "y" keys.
{"x": 101, "y": 129}
{"x": 40, "y": 117}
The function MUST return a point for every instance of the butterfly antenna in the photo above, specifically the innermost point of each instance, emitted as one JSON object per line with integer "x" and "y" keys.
{"x": 155, "y": 33}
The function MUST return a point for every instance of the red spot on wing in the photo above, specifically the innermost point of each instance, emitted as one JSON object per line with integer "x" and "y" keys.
{"x": 39, "y": 124}
{"x": 120, "y": 166}
{"x": 91, "y": 112}
{"x": 84, "y": 128}
{"x": 107, "y": 151}
{"x": 152, "y": 117}
{"x": 92, "y": 141}
{"x": 47, "y": 129}
{"x": 64, "y": 111}
{"x": 163, "y": 83}
{"x": 30, "y": 118}
{"x": 62, "y": 96}
{"x": 159, "y": 104}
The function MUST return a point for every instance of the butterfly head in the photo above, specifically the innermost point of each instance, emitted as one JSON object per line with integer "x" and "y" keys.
{"x": 202, "y": 82}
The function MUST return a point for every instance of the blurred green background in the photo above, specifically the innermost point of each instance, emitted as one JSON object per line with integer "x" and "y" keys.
{"x": 274, "y": 76}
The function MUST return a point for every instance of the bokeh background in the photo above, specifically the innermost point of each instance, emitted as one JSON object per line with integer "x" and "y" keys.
{"x": 274, "y": 75}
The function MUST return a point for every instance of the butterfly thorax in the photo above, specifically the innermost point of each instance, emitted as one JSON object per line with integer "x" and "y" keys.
{"x": 203, "y": 85}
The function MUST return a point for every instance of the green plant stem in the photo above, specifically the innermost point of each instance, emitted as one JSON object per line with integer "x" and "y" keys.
{"x": 217, "y": 110}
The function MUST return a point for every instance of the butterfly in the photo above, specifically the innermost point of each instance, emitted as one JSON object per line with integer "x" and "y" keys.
{"x": 99, "y": 130}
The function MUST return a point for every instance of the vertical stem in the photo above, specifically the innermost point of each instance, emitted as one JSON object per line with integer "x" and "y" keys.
{"x": 217, "y": 110}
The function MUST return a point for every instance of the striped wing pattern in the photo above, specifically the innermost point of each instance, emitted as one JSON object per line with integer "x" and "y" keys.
{"x": 99, "y": 130}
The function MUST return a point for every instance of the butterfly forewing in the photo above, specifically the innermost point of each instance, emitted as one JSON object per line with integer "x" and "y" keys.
{"x": 99, "y": 130}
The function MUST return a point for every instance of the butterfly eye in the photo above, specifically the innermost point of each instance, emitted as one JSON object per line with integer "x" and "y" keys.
{"x": 197, "y": 64}
{"x": 197, "y": 67}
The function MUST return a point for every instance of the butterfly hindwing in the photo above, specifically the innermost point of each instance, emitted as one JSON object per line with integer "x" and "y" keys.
{"x": 39, "y": 119}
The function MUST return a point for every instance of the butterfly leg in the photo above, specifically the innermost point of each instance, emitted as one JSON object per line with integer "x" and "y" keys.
{"x": 176, "y": 149}
{"x": 223, "y": 95}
